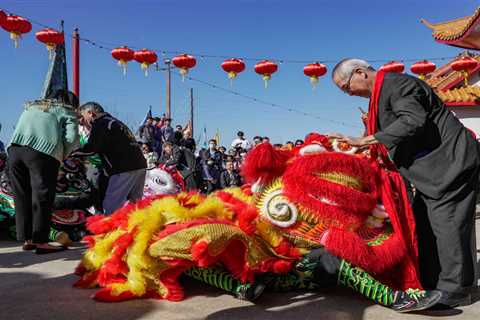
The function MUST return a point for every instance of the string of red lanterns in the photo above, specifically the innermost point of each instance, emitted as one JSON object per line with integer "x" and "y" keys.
{"x": 17, "y": 26}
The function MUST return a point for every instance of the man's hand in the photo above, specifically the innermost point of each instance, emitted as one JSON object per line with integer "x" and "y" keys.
{"x": 354, "y": 141}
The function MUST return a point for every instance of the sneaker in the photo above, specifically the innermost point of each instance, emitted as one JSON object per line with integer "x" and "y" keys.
{"x": 415, "y": 300}
{"x": 249, "y": 292}
{"x": 454, "y": 299}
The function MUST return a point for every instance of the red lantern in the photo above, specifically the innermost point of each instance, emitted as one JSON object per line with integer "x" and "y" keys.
{"x": 233, "y": 67}
{"x": 184, "y": 62}
{"x": 422, "y": 68}
{"x": 145, "y": 57}
{"x": 393, "y": 66}
{"x": 51, "y": 38}
{"x": 464, "y": 65}
{"x": 314, "y": 71}
{"x": 16, "y": 26}
{"x": 266, "y": 68}
{"x": 123, "y": 55}
{"x": 3, "y": 17}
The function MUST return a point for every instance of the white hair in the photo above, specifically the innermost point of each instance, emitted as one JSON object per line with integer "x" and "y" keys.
{"x": 344, "y": 68}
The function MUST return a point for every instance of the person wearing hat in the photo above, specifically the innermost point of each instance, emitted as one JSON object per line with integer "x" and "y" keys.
{"x": 240, "y": 141}
{"x": 44, "y": 136}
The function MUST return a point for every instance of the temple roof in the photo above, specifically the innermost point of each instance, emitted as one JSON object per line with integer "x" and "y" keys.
{"x": 449, "y": 84}
{"x": 463, "y": 32}
{"x": 461, "y": 96}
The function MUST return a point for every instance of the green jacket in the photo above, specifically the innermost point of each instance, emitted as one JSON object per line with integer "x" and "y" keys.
{"x": 48, "y": 127}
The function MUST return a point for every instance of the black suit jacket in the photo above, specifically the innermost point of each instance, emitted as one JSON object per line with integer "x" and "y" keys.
{"x": 428, "y": 144}
{"x": 227, "y": 180}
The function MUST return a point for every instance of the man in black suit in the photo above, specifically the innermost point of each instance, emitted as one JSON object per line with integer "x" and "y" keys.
{"x": 183, "y": 160}
{"x": 434, "y": 152}
{"x": 230, "y": 177}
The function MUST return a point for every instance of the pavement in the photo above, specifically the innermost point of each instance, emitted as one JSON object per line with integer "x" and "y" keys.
{"x": 40, "y": 287}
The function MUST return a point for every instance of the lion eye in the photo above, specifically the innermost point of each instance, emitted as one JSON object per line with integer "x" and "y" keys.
{"x": 278, "y": 210}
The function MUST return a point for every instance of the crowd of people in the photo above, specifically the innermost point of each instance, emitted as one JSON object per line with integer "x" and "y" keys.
{"x": 206, "y": 168}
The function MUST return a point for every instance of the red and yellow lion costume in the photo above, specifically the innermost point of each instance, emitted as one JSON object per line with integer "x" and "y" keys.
{"x": 299, "y": 200}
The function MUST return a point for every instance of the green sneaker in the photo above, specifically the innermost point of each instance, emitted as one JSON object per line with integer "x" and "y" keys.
{"x": 415, "y": 300}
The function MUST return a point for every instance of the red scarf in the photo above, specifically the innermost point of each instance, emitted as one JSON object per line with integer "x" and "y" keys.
{"x": 394, "y": 195}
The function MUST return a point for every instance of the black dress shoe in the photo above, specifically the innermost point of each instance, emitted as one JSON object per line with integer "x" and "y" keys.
{"x": 249, "y": 292}
{"x": 29, "y": 246}
{"x": 40, "y": 250}
{"x": 415, "y": 300}
{"x": 454, "y": 299}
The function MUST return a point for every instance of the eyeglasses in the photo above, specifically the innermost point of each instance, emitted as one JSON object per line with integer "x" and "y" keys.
{"x": 346, "y": 87}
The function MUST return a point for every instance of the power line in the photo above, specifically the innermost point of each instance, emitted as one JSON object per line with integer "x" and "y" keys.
{"x": 270, "y": 104}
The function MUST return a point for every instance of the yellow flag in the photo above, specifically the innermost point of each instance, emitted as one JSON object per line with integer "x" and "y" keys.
{"x": 217, "y": 137}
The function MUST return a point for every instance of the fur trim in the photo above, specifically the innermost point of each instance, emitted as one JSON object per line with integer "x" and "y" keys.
{"x": 265, "y": 163}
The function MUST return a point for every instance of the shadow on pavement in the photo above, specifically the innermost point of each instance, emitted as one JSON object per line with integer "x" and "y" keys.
{"x": 31, "y": 296}
{"x": 298, "y": 305}
{"x": 22, "y": 259}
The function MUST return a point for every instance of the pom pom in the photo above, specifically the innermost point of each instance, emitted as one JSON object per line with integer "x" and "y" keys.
{"x": 265, "y": 163}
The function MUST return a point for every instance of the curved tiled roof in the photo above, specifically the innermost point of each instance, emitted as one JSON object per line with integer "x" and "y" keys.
{"x": 454, "y": 29}
{"x": 463, "y": 94}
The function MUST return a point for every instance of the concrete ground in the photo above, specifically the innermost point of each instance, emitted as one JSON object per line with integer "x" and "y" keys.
{"x": 40, "y": 287}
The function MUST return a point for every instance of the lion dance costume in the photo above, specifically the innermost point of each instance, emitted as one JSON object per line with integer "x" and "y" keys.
{"x": 320, "y": 196}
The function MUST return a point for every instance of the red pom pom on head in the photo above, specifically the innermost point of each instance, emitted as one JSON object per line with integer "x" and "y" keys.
{"x": 265, "y": 163}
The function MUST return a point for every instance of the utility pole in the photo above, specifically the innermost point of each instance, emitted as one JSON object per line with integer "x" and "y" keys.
{"x": 191, "y": 110}
{"x": 76, "y": 63}
{"x": 168, "y": 62}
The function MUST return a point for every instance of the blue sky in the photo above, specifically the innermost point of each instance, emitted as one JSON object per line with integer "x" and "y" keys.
{"x": 273, "y": 29}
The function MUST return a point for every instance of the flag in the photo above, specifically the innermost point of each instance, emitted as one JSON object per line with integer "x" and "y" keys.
{"x": 217, "y": 137}
{"x": 148, "y": 115}
{"x": 205, "y": 142}
{"x": 57, "y": 73}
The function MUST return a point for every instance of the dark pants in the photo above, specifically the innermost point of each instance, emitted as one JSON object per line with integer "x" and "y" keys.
{"x": 33, "y": 176}
{"x": 446, "y": 236}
